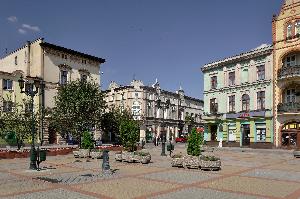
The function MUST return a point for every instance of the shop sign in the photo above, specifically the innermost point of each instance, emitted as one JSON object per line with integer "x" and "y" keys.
{"x": 245, "y": 115}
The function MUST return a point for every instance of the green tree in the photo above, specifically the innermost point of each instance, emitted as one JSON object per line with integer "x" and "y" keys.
{"x": 78, "y": 107}
{"x": 87, "y": 140}
{"x": 16, "y": 126}
{"x": 129, "y": 133}
{"x": 111, "y": 120}
{"x": 194, "y": 141}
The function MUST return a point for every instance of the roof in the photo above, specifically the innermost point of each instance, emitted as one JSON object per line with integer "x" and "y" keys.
{"x": 55, "y": 47}
{"x": 265, "y": 49}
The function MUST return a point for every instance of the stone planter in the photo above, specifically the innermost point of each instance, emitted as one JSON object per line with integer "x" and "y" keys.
{"x": 127, "y": 156}
{"x": 118, "y": 157}
{"x": 84, "y": 153}
{"x": 191, "y": 162}
{"x": 145, "y": 159}
{"x": 212, "y": 165}
{"x": 177, "y": 162}
{"x": 296, "y": 153}
{"x": 96, "y": 154}
{"x": 76, "y": 154}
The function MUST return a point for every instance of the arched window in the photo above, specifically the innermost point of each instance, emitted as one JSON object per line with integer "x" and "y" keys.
{"x": 289, "y": 32}
{"x": 297, "y": 28}
{"x": 245, "y": 102}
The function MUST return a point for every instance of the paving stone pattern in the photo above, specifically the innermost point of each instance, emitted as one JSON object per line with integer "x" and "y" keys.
{"x": 245, "y": 174}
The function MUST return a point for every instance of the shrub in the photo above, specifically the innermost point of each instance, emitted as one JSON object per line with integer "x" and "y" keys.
{"x": 87, "y": 140}
{"x": 209, "y": 158}
{"x": 195, "y": 139}
{"x": 130, "y": 134}
{"x": 177, "y": 156}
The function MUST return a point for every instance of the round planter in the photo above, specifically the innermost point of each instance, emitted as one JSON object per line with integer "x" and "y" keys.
{"x": 118, "y": 157}
{"x": 210, "y": 165}
{"x": 177, "y": 162}
{"x": 145, "y": 159}
{"x": 191, "y": 162}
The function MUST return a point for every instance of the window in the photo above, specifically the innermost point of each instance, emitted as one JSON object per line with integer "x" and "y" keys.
{"x": 214, "y": 82}
{"x": 7, "y": 106}
{"x": 260, "y": 72}
{"x": 290, "y": 96}
{"x": 231, "y": 100}
{"x": 83, "y": 61}
{"x": 7, "y": 84}
{"x": 289, "y": 33}
{"x": 136, "y": 95}
{"x": 245, "y": 103}
{"x": 213, "y": 106}
{"x": 83, "y": 77}
{"x": 63, "y": 77}
{"x": 245, "y": 75}
{"x": 290, "y": 60}
{"x": 16, "y": 60}
{"x": 231, "y": 78}
{"x": 64, "y": 56}
{"x": 297, "y": 28}
{"x": 260, "y": 132}
{"x": 136, "y": 110}
{"x": 261, "y": 100}
{"x": 27, "y": 107}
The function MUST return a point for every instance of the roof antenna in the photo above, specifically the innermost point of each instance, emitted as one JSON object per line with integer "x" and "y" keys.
{"x": 134, "y": 77}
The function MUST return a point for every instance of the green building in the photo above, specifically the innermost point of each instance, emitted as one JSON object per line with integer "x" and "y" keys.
{"x": 238, "y": 99}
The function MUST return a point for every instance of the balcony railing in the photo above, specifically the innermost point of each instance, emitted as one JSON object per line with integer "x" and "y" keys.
{"x": 292, "y": 107}
{"x": 214, "y": 109}
{"x": 289, "y": 71}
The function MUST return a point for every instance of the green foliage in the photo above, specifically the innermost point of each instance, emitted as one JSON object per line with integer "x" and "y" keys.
{"x": 87, "y": 140}
{"x": 141, "y": 153}
{"x": 177, "y": 155}
{"x": 129, "y": 133}
{"x": 195, "y": 139}
{"x": 111, "y": 120}
{"x": 209, "y": 158}
{"x": 78, "y": 107}
{"x": 16, "y": 126}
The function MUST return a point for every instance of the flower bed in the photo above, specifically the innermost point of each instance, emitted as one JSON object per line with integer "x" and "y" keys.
{"x": 9, "y": 154}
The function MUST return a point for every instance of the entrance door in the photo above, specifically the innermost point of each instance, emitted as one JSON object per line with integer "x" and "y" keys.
{"x": 246, "y": 135}
{"x": 231, "y": 137}
{"x": 213, "y": 131}
{"x": 290, "y": 135}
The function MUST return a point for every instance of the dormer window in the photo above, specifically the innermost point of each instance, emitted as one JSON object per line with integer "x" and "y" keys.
{"x": 293, "y": 30}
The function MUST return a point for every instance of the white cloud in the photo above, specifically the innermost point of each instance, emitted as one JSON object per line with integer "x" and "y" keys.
{"x": 12, "y": 19}
{"x": 32, "y": 28}
{"x": 22, "y": 31}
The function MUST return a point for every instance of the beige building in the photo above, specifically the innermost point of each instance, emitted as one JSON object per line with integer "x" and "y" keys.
{"x": 286, "y": 40}
{"x": 161, "y": 112}
{"x": 54, "y": 64}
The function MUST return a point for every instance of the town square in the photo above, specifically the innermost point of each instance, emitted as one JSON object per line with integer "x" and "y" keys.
{"x": 150, "y": 99}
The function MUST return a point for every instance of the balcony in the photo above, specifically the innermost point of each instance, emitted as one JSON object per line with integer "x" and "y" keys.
{"x": 214, "y": 109}
{"x": 292, "y": 107}
{"x": 288, "y": 72}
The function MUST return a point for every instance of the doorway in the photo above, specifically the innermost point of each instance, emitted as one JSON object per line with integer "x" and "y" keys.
{"x": 290, "y": 135}
{"x": 245, "y": 135}
{"x": 213, "y": 131}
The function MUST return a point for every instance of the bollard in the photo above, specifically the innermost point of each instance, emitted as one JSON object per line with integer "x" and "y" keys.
{"x": 105, "y": 163}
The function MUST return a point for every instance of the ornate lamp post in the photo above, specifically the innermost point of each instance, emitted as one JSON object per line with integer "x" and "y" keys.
{"x": 31, "y": 89}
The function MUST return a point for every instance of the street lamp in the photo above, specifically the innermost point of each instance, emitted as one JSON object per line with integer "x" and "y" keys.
{"x": 31, "y": 89}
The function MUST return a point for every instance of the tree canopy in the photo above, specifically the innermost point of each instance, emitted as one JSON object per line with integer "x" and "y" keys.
{"x": 79, "y": 106}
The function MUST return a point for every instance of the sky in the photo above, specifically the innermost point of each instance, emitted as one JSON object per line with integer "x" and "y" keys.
{"x": 143, "y": 39}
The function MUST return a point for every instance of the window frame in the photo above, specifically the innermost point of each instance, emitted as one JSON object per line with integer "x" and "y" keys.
{"x": 213, "y": 82}
{"x": 261, "y": 72}
{"x": 231, "y": 104}
{"x": 7, "y": 106}
{"x": 5, "y": 84}
{"x": 61, "y": 75}
{"x": 261, "y": 100}
{"x": 245, "y": 103}
{"x": 231, "y": 78}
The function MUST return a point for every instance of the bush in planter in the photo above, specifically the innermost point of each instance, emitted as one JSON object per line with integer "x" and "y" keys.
{"x": 87, "y": 141}
{"x": 209, "y": 158}
{"x": 129, "y": 133}
{"x": 177, "y": 156}
{"x": 194, "y": 141}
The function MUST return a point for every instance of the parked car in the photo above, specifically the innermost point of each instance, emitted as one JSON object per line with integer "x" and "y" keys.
{"x": 181, "y": 139}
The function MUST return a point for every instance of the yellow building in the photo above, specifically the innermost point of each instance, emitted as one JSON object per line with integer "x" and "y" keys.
{"x": 55, "y": 65}
{"x": 286, "y": 41}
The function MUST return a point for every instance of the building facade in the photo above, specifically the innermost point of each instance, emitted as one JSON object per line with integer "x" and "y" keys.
{"x": 286, "y": 41}
{"x": 53, "y": 64}
{"x": 161, "y": 112}
{"x": 238, "y": 93}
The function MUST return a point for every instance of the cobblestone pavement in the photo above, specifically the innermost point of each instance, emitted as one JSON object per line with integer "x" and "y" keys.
{"x": 245, "y": 173}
